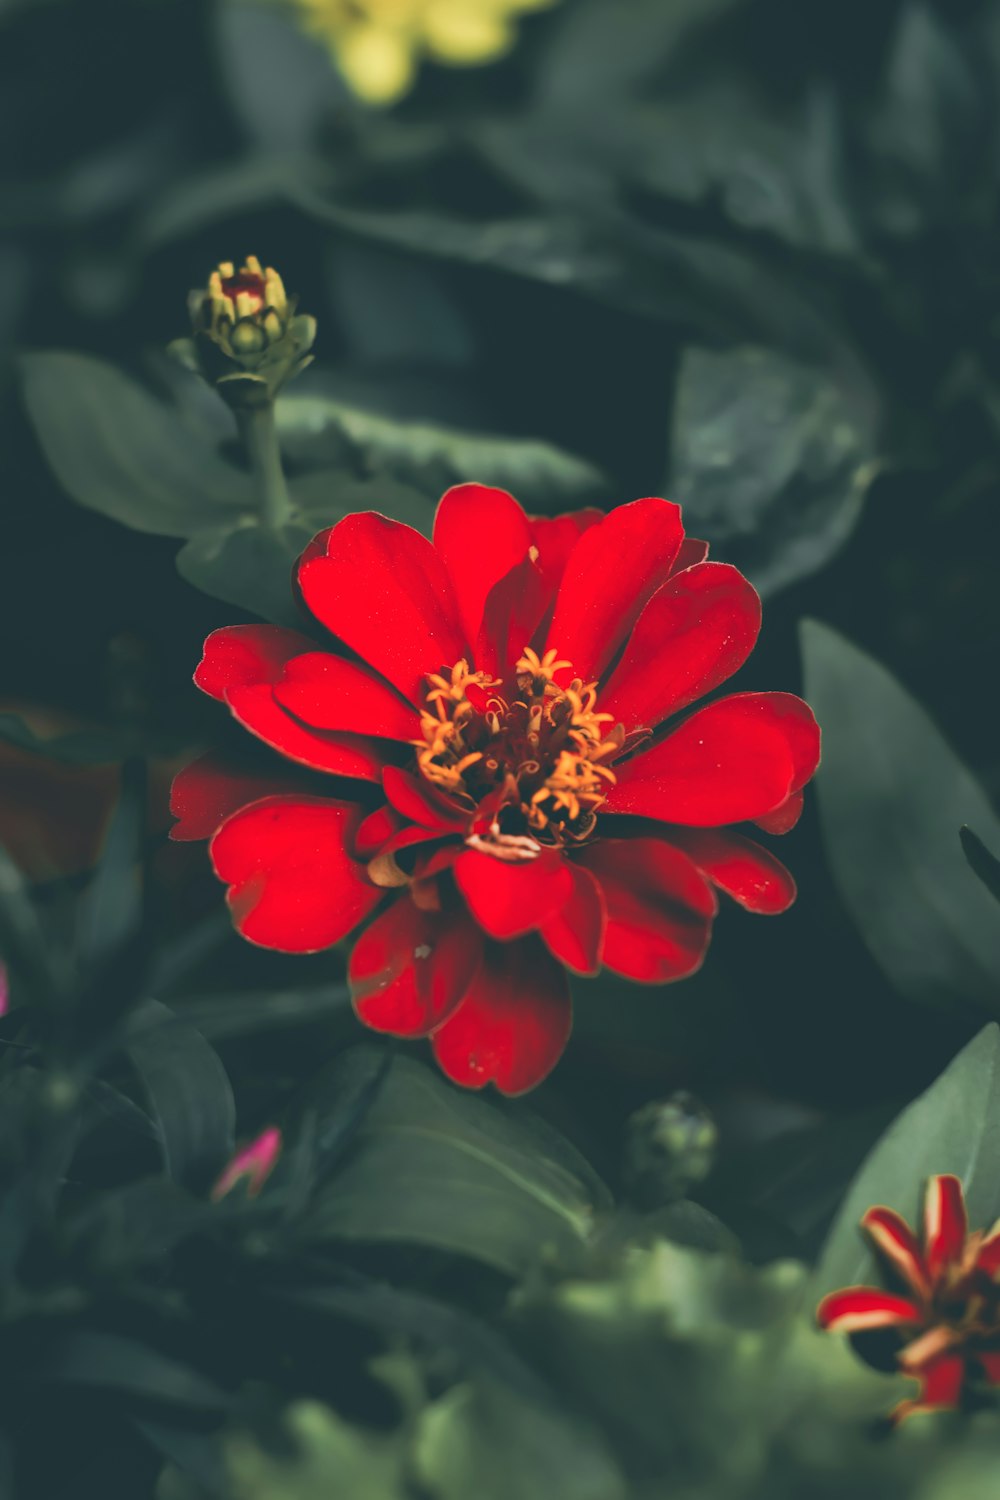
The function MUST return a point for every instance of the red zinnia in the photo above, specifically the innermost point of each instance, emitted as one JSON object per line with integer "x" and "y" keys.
{"x": 513, "y": 691}
{"x": 948, "y": 1321}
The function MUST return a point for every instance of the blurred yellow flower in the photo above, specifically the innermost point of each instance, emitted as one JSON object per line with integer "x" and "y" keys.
{"x": 378, "y": 44}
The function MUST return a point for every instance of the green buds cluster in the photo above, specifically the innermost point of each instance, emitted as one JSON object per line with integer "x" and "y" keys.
{"x": 670, "y": 1146}
{"x": 247, "y": 339}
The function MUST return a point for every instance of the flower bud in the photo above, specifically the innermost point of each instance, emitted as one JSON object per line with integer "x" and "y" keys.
{"x": 670, "y": 1145}
{"x": 252, "y": 1165}
{"x": 248, "y": 340}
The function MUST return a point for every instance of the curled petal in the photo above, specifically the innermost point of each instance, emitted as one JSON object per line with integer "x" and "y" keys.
{"x": 945, "y": 1223}
{"x": 411, "y": 968}
{"x": 612, "y": 570}
{"x": 858, "y": 1308}
{"x": 293, "y": 884}
{"x": 241, "y": 655}
{"x": 988, "y": 1259}
{"x": 513, "y": 1024}
{"x": 695, "y": 632}
{"x": 480, "y": 533}
{"x": 784, "y": 818}
{"x": 746, "y": 872}
{"x": 211, "y": 789}
{"x": 940, "y": 1388}
{"x": 896, "y": 1242}
{"x": 382, "y": 589}
{"x": 414, "y": 798}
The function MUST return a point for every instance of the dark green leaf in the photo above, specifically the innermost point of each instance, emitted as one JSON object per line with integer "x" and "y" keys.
{"x": 327, "y": 1456}
{"x": 111, "y": 910}
{"x": 118, "y": 450}
{"x": 985, "y": 864}
{"x": 316, "y": 431}
{"x": 247, "y": 565}
{"x": 125, "y": 1365}
{"x": 953, "y": 1127}
{"x": 770, "y": 460}
{"x": 891, "y": 794}
{"x": 245, "y": 1013}
{"x": 189, "y": 1093}
{"x": 436, "y": 1166}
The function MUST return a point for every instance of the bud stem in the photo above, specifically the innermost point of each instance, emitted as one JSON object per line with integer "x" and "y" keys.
{"x": 256, "y": 425}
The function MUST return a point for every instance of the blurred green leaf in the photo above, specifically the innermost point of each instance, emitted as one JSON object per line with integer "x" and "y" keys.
{"x": 770, "y": 460}
{"x": 891, "y": 794}
{"x": 316, "y": 432}
{"x": 247, "y": 565}
{"x": 985, "y": 864}
{"x": 330, "y": 1457}
{"x": 483, "y": 1440}
{"x": 953, "y": 1127}
{"x": 112, "y": 906}
{"x": 189, "y": 1093}
{"x": 114, "y": 1362}
{"x": 244, "y": 1013}
{"x": 435, "y": 1166}
{"x": 118, "y": 450}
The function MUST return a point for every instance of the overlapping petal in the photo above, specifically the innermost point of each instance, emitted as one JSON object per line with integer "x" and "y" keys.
{"x": 330, "y": 693}
{"x": 354, "y": 755}
{"x": 695, "y": 632}
{"x": 574, "y": 931}
{"x": 897, "y": 1244}
{"x": 613, "y": 569}
{"x": 509, "y": 900}
{"x": 659, "y": 908}
{"x": 210, "y": 789}
{"x": 243, "y": 655}
{"x": 857, "y": 1309}
{"x": 743, "y": 869}
{"x": 384, "y": 590}
{"x": 481, "y": 534}
{"x": 293, "y": 883}
{"x": 945, "y": 1222}
{"x": 512, "y": 1026}
{"x": 411, "y": 968}
{"x": 733, "y": 761}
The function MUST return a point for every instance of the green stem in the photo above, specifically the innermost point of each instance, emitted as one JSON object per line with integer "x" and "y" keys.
{"x": 261, "y": 442}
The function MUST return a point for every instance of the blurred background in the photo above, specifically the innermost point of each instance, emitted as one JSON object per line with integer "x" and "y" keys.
{"x": 744, "y": 253}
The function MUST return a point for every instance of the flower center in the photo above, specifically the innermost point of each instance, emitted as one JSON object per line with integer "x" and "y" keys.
{"x": 246, "y": 291}
{"x": 535, "y": 768}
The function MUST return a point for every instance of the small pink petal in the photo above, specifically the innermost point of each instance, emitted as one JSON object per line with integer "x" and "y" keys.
{"x": 254, "y": 1163}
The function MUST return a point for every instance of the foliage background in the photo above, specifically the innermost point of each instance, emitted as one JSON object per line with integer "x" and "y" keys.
{"x": 742, "y": 252}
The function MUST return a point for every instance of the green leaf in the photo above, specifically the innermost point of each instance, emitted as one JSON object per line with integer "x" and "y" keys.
{"x": 118, "y": 450}
{"x": 482, "y": 1439}
{"x": 114, "y": 1362}
{"x": 435, "y": 1166}
{"x": 245, "y": 1013}
{"x": 770, "y": 460}
{"x": 316, "y": 431}
{"x": 985, "y": 864}
{"x": 247, "y": 565}
{"x": 891, "y": 794}
{"x": 329, "y": 1457}
{"x": 953, "y": 1127}
{"x": 189, "y": 1093}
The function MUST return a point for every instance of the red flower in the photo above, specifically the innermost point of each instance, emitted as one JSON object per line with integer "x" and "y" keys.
{"x": 948, "y": 1321}
{"x": 514, "y": 694}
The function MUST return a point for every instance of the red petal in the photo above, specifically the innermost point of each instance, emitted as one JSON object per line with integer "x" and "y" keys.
{"x": 858, "y": 1308}
{"x": 746, "y": 872}
{"x": 513, "y": 612}
{"x": 410, "y": 968}
{"x": 293, "y": 885}
{"x": 784, "y": 818}
{"x": 575, "y": 932}
{"x": 331, "y": 693}
{"x": 945, "y": 1223}
{"x": 209, "y": 790}
{"x": 481, "y": 533}
{"x": 729, "y": 762}
{"x": 513, "y": 1024}
{"x": 509, "y": 900}
{"x": 940, "y": 1387}
{"x": 659, "y": 907}
{"x": 691, "y": 553}
{"x": 695, "y": 632}
{"x": 990, "y": 1365}
{"x": 417, "y": 800}
{"x": 897, "y": 1244}
{"x": 240, "y": 655}
{"x": 257, "y": 709}
{"x": 612, "y": 571}
{"x": 374, "y": 831}
{"x": 555, "y": 537}
{"x": 384, "y": 591}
